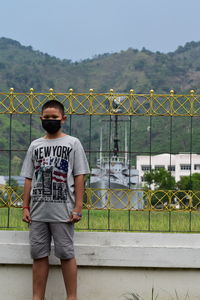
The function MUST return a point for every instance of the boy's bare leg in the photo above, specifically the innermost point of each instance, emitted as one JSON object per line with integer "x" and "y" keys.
{"x": 69, "y": 270}
{"x": 40, "y": 275}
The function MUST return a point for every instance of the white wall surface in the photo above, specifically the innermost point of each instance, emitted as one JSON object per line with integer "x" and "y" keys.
{"x": 110, "y": 265}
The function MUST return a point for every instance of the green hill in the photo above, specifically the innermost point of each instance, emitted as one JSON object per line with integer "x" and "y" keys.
{"x": 22, "y": 68}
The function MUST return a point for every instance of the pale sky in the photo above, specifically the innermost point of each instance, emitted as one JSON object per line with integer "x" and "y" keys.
{"x": 80, "y": 29}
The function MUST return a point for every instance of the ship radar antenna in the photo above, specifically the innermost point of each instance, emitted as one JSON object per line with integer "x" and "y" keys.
{"x": 116, "y": 109}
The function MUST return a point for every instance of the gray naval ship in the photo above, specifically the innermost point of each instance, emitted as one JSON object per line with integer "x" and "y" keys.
{"x": 115, "y": 181}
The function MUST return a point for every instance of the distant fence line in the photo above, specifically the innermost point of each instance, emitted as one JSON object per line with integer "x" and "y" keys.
{"x": 93, "y": 103}
{"x": 148, "y": 200}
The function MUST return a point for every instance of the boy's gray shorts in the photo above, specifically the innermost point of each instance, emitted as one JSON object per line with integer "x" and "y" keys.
{"x": 41, "y": 234}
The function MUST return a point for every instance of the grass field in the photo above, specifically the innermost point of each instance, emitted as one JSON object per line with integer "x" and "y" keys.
{"x": 118, "y": 220}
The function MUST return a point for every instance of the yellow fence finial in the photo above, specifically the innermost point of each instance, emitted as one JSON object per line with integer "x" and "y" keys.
{"x": 90, "y": 98}
{"x": 31, "y": 108}
{"x": 51, "y": 96}
{"x": 192, "y": 92}
{"x": 172, "y": 92}
{"x": 11, "y": 97}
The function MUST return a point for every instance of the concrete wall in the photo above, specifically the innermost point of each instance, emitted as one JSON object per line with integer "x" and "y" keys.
{"x": 110, "y": 265}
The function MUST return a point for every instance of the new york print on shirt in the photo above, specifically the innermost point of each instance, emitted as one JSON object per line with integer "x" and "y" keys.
{"x": 51, "y": 169}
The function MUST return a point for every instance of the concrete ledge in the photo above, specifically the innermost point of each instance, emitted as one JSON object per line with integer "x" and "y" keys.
{"x": 141, "y": 250}
{"x": 110, "y": 266}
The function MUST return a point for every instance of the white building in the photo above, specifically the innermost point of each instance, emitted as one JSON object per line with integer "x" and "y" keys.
{"x": 182, "y": 164}
{"x": 5, "y": 179}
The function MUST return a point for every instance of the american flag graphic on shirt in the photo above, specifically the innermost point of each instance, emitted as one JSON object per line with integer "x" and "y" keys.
{"x": 60, "y": 171}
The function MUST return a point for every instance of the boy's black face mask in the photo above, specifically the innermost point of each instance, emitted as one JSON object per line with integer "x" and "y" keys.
{"x": 51, "y": 126}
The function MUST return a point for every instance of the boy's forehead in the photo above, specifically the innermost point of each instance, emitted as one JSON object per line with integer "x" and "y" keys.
{"x": 51, "y": 110}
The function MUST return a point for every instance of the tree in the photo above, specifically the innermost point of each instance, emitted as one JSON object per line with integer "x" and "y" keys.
{"x": 191, "y": 187}
{"x": 13, "y": 184}
{"x": 160, "y": 180}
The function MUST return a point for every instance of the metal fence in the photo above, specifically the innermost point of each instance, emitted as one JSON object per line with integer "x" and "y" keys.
{"x": 92, "y": 117}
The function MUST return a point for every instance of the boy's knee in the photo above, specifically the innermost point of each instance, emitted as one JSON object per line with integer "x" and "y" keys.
{"x": 64, "y": 253}
{"x": 38, "y": 252}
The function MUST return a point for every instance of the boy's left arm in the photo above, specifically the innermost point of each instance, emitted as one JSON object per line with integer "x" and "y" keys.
{"x": 79, "y": 192}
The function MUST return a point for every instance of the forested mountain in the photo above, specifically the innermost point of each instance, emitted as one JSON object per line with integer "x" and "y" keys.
{"x": 22, "y": 68}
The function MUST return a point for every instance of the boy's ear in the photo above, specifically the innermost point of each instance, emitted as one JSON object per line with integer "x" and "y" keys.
{"x": 64, "y": 118}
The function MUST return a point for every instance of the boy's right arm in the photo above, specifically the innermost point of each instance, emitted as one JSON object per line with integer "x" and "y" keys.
{"x": 26, "y": 200}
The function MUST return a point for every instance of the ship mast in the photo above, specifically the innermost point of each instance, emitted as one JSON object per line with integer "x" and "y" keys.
{"x": 126, "y": 146}
{"x": 101, "y": 147}
{"x": 116, "y": 140}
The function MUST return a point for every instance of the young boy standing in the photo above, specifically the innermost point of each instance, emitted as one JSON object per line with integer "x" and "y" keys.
{"x": 54, "y": 170}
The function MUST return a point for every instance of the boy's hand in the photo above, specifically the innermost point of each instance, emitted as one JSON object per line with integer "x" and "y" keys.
{"x": 26, "y": 215}
{"x": 75, "y": 216}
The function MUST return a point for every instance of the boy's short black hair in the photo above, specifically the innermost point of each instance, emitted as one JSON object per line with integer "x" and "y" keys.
{"x": 54, "y": 104}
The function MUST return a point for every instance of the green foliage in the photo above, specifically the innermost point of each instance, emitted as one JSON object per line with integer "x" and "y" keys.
{"x": 116, "y": 220}
{"x": 21, "y": 67}
{"x": 190, "y": 182}
{"x": 13, "y": 184}
{"x": 162, "y": 179}
{"x": 135, "y": 296}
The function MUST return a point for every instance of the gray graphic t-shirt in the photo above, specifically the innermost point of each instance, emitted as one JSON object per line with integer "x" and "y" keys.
{"x": 52, "y": 165}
